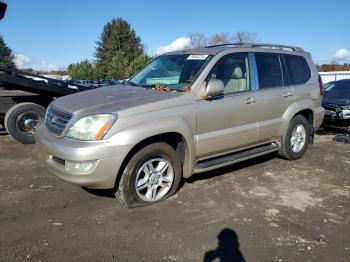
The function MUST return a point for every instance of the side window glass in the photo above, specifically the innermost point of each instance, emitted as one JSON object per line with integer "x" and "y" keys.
{"x": 269, "y": 70}
{"x": 233, "y": 71}
{"x": 298, "y": 68}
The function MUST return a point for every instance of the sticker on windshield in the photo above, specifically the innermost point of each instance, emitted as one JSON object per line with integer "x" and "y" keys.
{"x": 197, "y": 57}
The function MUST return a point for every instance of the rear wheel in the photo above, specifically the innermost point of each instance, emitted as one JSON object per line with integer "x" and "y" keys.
{"x": 152, "y": 175}
{"x": 21, "y": 120}
{"x": 296, "y": 138}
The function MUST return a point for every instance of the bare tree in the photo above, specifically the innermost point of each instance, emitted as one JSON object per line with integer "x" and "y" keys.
{"x": 246, "y": 37}
{"x": 219, "y": 39}
{"x": 197, "y": 39}
{"x": 200, "y": 40}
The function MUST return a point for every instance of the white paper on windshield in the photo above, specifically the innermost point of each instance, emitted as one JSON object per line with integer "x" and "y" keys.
{"x": 197, "y": 57}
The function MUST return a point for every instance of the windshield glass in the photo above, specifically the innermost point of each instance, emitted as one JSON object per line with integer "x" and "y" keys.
{"x": 171, "y": 72}
{"x": 339, "y": 86}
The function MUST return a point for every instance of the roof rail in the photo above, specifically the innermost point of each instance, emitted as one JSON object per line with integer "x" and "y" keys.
{"x": 263, "y": 45}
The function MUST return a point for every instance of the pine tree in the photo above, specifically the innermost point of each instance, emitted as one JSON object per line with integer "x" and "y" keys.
{"x": 138, "y": 64}
{"x": 6, "y": 56}
{"x": 119, "y": 40}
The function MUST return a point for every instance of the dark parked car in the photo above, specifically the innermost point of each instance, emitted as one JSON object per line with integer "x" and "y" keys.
{"x": 336, "y": 101}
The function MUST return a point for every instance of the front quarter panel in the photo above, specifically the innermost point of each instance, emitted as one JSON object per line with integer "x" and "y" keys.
{"x": 130, "y": 131}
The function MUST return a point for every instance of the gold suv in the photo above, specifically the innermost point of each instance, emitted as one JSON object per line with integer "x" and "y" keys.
{"x": 185, "y": 112}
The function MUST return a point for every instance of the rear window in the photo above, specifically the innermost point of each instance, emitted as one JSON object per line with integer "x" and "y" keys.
{"x": 298, "y": 68}
{"x": 269, "y": 70}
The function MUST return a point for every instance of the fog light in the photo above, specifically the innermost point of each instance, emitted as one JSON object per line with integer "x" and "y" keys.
{"x": 79, "y": 167}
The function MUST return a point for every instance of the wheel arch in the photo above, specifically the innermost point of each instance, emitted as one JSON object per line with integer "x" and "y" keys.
{"x": 304, "y": 108}
{"x": 178, "y": 135}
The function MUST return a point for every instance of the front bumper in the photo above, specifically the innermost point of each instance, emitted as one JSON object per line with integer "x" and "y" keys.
{"x": 107, "y": 158}
{"x": 337, "y": 119}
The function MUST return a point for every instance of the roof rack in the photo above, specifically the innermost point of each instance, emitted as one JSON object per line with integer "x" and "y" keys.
{"x": 262, "y": 45}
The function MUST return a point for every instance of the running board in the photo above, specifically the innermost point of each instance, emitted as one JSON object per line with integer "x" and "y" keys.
{"x": 225, "y": 160}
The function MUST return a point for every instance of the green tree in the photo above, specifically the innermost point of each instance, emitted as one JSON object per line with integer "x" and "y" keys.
{"x": 118, "y": 66}
{"x": 7, "y": 58}
{"x": 117, "y": 36}
{"x": 137, "y": 64}
{"x": 82, "y": 70}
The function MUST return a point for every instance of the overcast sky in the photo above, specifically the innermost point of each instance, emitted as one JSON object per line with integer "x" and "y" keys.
{"x": 52, "y": 34}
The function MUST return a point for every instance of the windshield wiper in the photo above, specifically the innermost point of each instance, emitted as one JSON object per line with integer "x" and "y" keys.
{"x": 139, "y": 85}
{"x": 132, "y": 84}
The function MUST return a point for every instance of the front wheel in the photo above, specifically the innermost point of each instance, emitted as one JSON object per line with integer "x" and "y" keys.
{"x": 296, "y": 138}
{"x": 152, "y": 174}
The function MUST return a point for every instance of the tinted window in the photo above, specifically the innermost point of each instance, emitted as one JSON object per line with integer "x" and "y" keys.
{"x": 269, "y": 70}
{"x": 298, "y": 68}
{"x": 233, "y": 71}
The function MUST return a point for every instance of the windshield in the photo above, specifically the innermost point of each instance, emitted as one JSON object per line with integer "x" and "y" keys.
{"x": 343, "y": 85}
{"x": 171, "y": 72}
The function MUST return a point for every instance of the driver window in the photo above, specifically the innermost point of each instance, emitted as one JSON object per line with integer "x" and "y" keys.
{"x": 233, "y": 71}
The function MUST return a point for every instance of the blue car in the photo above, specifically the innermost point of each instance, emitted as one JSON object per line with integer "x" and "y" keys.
{"x": 336, "y": 102}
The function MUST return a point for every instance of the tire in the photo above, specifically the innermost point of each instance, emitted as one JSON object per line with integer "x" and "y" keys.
{"x": 21, "y": 119}
{"x": 127, "y": 193}
{"x": 287, "y": 149}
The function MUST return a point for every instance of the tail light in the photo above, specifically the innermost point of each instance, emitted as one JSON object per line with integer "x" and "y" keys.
{"x": 320, "y": 84}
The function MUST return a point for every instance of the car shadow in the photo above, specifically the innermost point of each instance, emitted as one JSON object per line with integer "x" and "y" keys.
{"x": 108, "y": 193}
{"x": 342, "y": 136}
{"x": 3, "y": 131}
{"x": 227, "y": 250}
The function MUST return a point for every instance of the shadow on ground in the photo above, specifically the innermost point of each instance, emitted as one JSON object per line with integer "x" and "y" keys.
{"x": 227, "y": 250}
{"x": 109, "y": 193}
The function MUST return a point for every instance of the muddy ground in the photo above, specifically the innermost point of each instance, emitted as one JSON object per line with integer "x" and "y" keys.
{"x": 267, "y": 209}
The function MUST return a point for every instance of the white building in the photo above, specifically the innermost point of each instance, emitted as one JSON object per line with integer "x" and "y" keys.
{"x": 334, "y": 76}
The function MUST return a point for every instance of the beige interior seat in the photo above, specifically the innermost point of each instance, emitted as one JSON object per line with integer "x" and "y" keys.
{"x": 237, "y": 83}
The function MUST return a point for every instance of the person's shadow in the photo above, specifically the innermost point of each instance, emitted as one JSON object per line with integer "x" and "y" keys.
{"x": 227, "y": 250}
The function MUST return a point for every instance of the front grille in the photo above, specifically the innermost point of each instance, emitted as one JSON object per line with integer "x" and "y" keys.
{"x": 56, "y": 120}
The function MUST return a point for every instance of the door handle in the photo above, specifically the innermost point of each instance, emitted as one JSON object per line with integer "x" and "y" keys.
{"x": 250, "y": 100}
{"x": 288, "y": 94}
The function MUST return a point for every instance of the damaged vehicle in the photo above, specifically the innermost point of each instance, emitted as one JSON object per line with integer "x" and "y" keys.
{"x": 186, "y": 112}
{"x": 336, "y": 101}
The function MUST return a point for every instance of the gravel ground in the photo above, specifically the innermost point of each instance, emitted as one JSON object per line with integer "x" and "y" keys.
{"x": 266, "y": 209}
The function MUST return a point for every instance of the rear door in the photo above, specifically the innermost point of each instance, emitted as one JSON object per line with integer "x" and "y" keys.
{"x": 300, "y": 74}
{"x": 274, "y": 96}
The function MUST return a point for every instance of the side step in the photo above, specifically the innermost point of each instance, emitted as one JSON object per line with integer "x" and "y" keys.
{"x": 225, "y": 160}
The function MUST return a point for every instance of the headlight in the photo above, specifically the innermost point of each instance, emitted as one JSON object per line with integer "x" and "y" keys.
{"x": 92, "y": 127}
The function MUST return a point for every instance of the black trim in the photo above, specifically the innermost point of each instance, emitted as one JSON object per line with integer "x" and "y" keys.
{"x": 215, "y": 161}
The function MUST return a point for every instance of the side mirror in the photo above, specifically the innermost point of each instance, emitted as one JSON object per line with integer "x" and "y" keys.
{"x": 3, "y": 7}
{"x": 214, "y": 88}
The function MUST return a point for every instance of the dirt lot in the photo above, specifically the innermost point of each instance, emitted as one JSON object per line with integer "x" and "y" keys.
{"x": 267, "y": 209}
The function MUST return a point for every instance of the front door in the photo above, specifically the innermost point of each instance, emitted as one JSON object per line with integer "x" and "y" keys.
{"x": 228, "y": 122}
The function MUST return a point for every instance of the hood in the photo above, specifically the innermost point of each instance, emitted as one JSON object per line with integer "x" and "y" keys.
{"x": 337, "y": 97}
{"x": 110, "y": 99}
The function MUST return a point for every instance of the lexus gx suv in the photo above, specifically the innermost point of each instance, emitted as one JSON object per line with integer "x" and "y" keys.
{"x": 185, "y": 112}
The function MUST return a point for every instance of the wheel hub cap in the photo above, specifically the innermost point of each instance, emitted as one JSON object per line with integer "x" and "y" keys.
{"x": 26, "y": 122}
{"x": 298, "y": 138}
{"x": 154, "y": 179}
